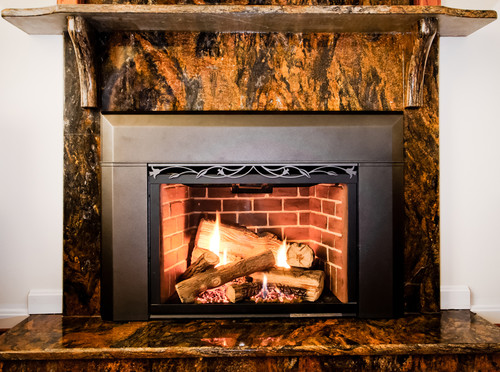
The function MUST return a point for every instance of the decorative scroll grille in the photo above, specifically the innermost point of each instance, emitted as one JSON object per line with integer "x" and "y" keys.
{"x": 239, "y": 171}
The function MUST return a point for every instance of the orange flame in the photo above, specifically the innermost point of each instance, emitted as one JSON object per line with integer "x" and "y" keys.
{"x": 214, "y": 244}
{"x": 281, "y": 256}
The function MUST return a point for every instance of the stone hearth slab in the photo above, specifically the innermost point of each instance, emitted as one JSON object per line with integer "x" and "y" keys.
{"x": 450, "y": 340}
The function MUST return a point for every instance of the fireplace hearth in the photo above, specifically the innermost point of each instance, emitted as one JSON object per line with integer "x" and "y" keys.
{"x": 347, "y": 213}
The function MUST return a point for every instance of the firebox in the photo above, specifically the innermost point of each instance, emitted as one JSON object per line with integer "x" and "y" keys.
{"x": 305, "y": 224}
{"x": 252, "y": 215}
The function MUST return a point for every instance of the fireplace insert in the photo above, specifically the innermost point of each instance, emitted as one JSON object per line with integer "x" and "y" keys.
{"x": 307, "y": 223}
{"x": 252, "y": 216}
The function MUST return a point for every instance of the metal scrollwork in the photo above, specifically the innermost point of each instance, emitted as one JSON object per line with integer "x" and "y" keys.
{"x": 239, "y": 171}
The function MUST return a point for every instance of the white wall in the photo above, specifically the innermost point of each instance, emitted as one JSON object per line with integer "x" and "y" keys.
{"x": 31, "y": 163}
{"x": 31, "y": 145}
{"x": 470, "y": 162}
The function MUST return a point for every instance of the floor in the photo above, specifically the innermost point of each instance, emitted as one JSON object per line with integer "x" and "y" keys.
{"x": 8, "y": 323}
{"x": 449, "y": 340}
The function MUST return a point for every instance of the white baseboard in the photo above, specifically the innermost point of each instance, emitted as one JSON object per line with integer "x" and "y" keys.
{"x": 45, "y": 301}
{"x": 488, "y": 312}
{"x": 11, "y": 313}
{"x": 455, "y": 297}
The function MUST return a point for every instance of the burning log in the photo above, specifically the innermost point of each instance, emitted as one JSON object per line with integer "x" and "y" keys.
{"x": 238, "y": 242}
{"x": 188, "y": 289}
{"x": 206, "y": 261}
{"x": 312, "y": 281}
{"x": 239, "y": 292}
{"x": 300, "y": 255}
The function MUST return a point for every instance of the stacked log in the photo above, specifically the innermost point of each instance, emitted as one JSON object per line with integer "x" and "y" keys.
{"x": 205, "y": 261}
{"x": 251, "y": 255}
{"x": 240, "y": 292}
{"x": 190, "y": 288}
{"x": 239, "y": 242}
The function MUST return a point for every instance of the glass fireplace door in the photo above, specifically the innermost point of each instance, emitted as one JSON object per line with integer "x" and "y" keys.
{"x": 253, "y": 240}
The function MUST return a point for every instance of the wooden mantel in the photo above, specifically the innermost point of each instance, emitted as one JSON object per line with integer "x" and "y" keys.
{"x": 249, "y": 18}
{"x": 83, "y": 21}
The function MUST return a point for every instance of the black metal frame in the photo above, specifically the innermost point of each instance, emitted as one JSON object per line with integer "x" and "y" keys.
{"x": 300, "y": 175}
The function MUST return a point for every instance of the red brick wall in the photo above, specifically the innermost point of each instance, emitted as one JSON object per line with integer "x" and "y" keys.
{"x": 175, "y": 232}
{"x": 328, "y": 234}
{"x": 313, "y": 215}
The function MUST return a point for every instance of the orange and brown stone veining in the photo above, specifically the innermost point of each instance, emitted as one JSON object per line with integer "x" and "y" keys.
{"x": 262, "y": 72}
{"x": 252, "y": 2}
{"x": 447, "y": 341}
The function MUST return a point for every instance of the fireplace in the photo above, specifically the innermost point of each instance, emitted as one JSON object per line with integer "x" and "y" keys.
{"x": 330, "y": 184}
{"x": 159, "y": 61}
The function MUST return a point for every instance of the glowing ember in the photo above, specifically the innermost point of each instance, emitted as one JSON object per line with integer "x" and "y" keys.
{"x": 213, "y": 296}
{"x": 268, "y": 293}
{"x": 271, "y": 293}
{"x": 281, "y": 256}
{"x": 217, "y": 295}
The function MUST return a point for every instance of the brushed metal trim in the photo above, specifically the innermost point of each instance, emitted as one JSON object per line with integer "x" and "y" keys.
{"x": 251, "y": 316}
{"x": 255, "y": 139}
{"x": 125, "y": 243}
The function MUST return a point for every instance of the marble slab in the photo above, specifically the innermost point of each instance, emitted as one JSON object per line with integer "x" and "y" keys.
{"x": 250, "y": 18}
{"x": 449, "y": 336}
{"x": 145, "y": 72}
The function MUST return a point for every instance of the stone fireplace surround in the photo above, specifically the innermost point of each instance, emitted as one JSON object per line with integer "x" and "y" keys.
{"x": 165, "y": 71}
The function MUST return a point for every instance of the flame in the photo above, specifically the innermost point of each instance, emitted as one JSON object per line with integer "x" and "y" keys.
{"x": 214, "y": 244}
{"x": 281, "y": 256}
{"x": 264, "y": 291}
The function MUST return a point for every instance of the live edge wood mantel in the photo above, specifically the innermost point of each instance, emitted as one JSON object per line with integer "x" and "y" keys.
{"x": 83, "y": 21}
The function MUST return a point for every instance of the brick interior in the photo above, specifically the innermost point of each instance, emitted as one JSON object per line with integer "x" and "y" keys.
{"x": 314, "y": 215}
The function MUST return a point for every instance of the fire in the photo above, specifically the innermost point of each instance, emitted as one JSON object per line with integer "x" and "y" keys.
{"x": 214, "y": 244}
{"x": 264, "y": 291}
{"x": 281, "y": 256}
{"x": 271, "y": 292}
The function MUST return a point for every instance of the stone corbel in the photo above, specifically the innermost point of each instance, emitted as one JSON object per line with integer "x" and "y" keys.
{"x": 80, "y": 33}
{"x": 427, "y": 30}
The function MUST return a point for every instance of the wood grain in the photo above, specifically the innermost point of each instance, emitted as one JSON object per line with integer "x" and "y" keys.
{"x": 424, "y": 36}
{"x": 81, "y": 35}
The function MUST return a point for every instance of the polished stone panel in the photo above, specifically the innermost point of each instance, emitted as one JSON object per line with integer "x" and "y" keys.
{"x": 82, "y": 221}
{"x": 421, "y": 170}
{"x": 451, "y": 340}
{"x": 159, "y": 71}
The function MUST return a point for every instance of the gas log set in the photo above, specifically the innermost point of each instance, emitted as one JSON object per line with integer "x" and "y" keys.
{"x": 230, "y": 264}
